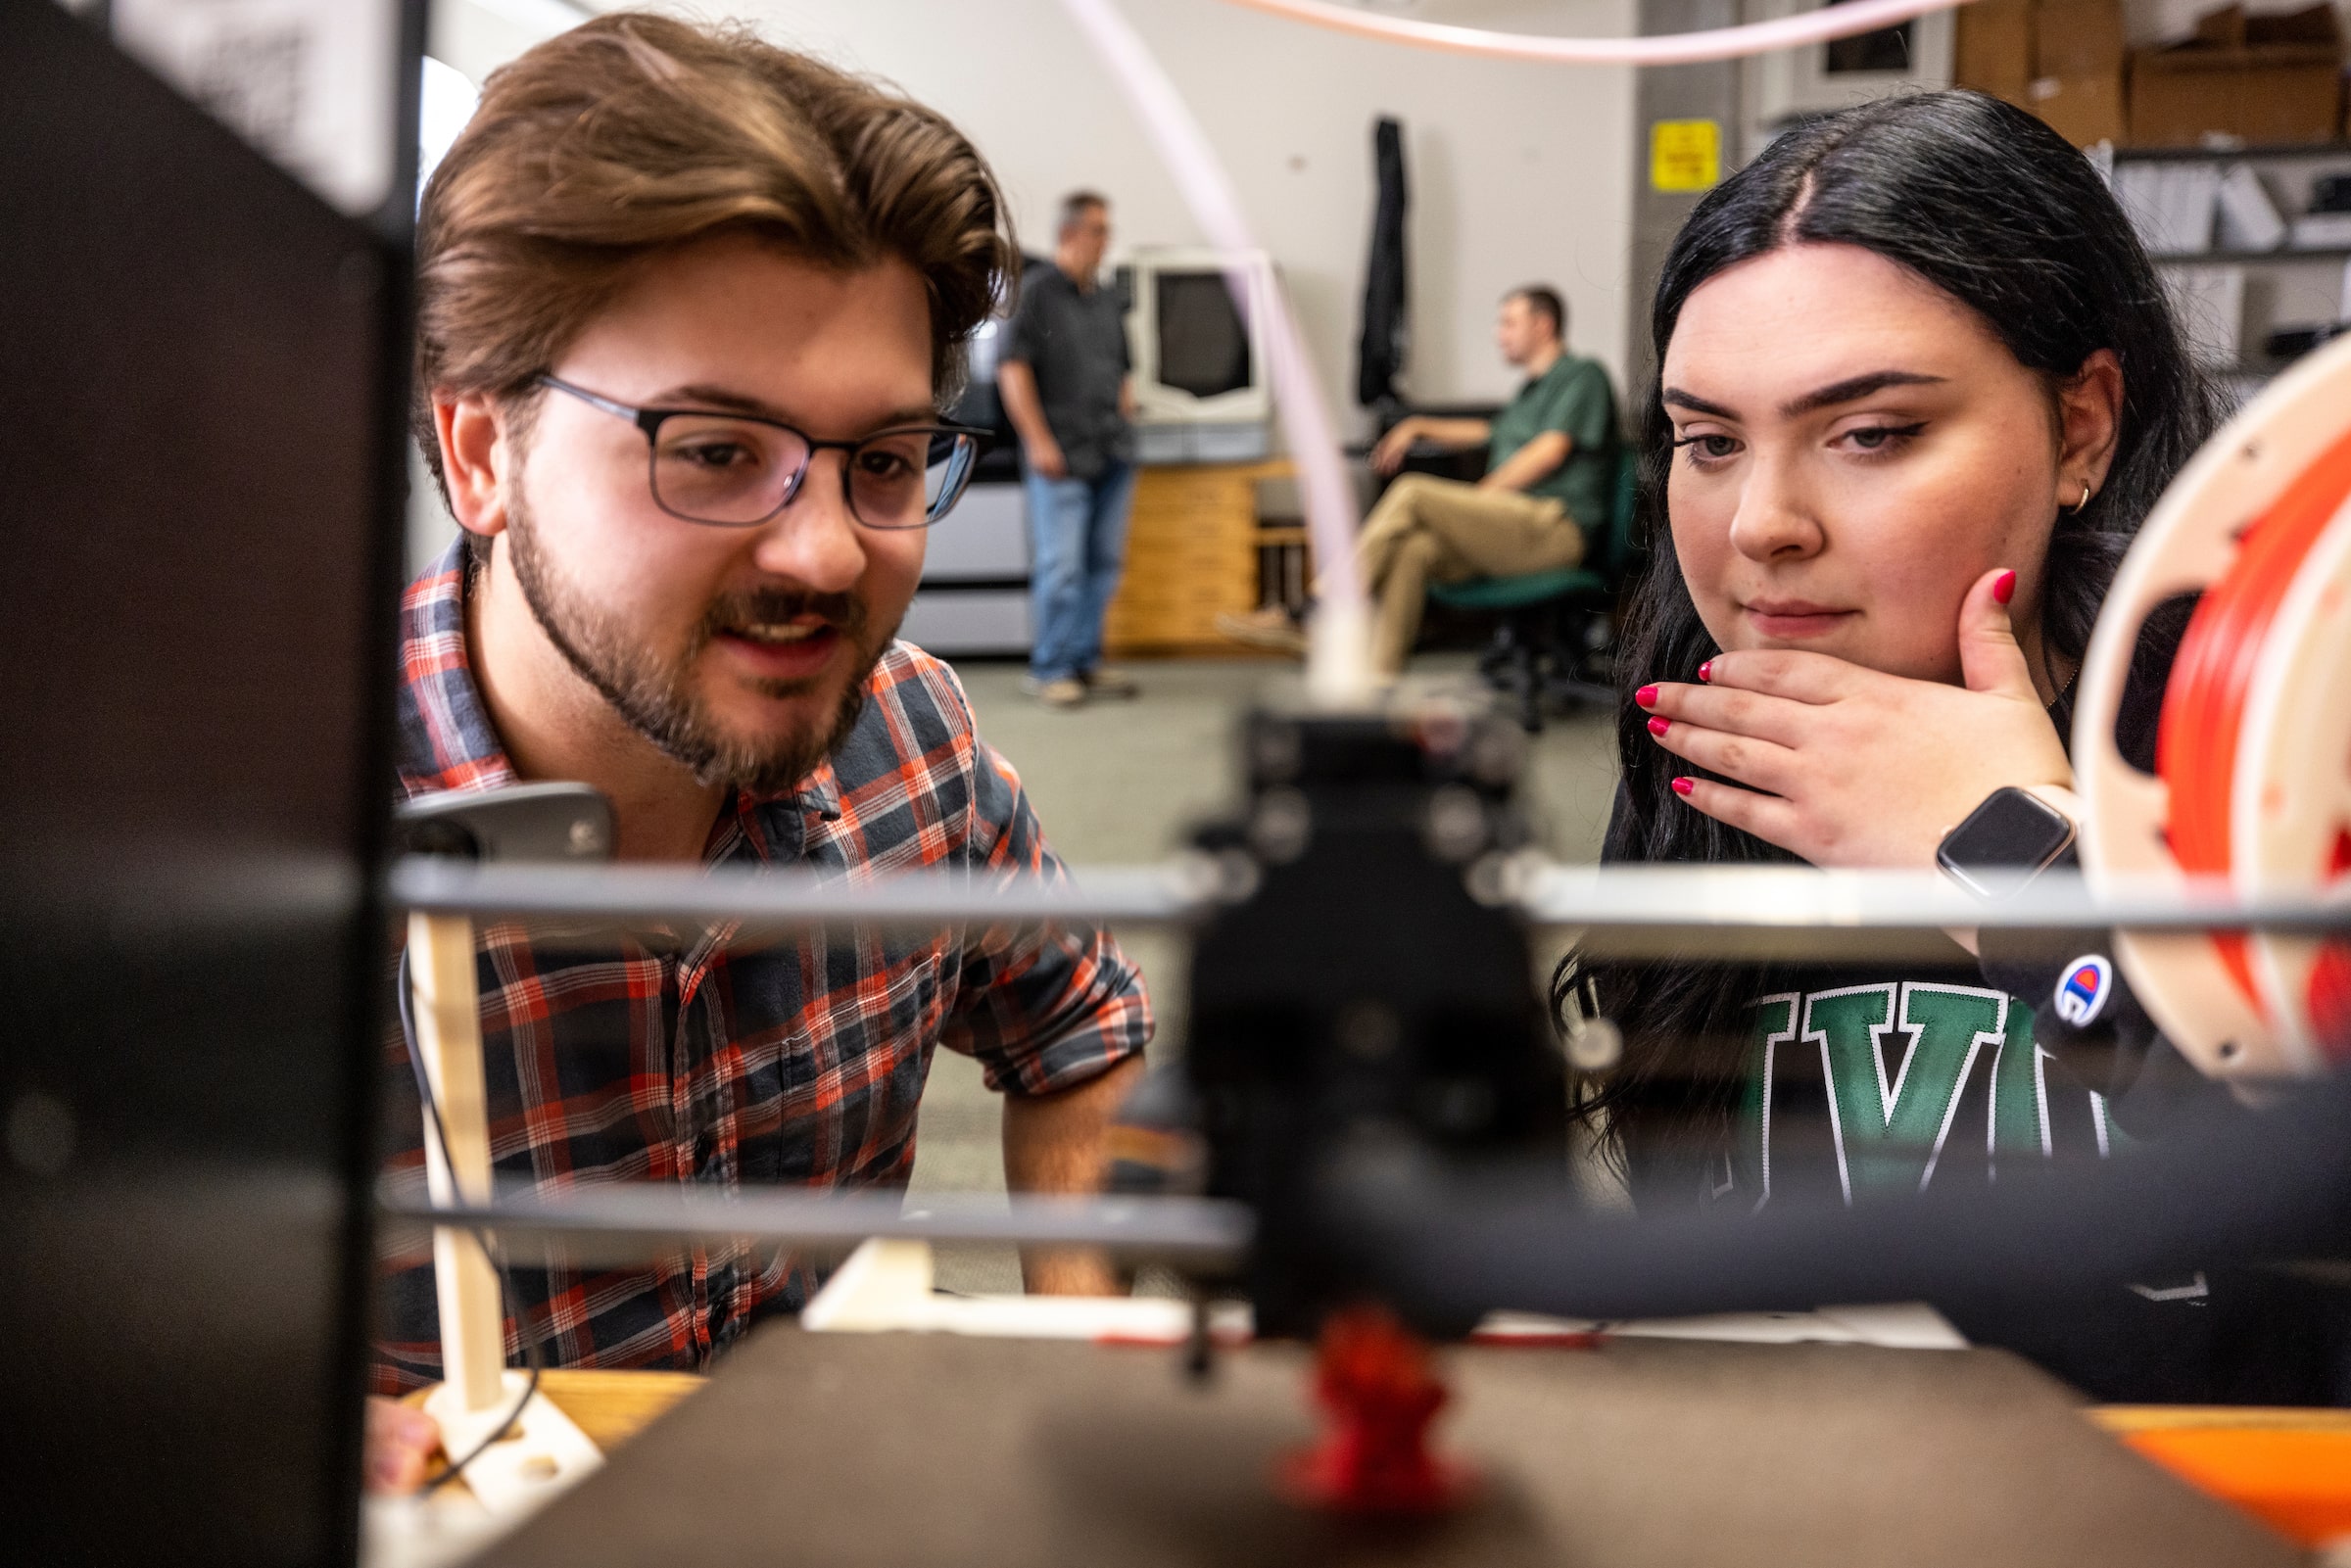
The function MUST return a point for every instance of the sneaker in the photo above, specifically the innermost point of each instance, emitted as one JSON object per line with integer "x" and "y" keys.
{"x": 1067, "y": 693}
{"x": 1268, "y": 628}
{"x": 1100, "y": 682}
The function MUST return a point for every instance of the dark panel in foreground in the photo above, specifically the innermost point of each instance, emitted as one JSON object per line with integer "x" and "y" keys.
{"x": 198, "y": 422}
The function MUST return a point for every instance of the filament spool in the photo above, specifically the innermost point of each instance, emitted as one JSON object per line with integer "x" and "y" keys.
{"x": 2291, "y": 803}
{"x": 2253, "y": 772}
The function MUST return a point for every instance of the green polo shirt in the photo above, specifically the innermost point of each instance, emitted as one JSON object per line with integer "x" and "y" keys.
{"x": 1573, "y": 396}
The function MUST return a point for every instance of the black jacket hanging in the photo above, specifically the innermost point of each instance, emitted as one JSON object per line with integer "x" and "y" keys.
{"x": 1380, "y": 351}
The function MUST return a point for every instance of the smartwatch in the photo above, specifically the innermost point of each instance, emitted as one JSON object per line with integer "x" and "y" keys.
{"x": 2006, "y": 842}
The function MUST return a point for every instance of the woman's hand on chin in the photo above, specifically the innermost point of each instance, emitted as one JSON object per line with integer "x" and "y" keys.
{"x": 1847, "y": 766}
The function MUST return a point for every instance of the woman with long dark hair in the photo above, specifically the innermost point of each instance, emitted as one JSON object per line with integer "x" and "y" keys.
{"x": 1919, "y": 385}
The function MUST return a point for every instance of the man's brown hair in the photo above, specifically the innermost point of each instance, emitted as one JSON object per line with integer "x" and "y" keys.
{"x": 1545, "y": 302}
{"x": 634, "y": 133}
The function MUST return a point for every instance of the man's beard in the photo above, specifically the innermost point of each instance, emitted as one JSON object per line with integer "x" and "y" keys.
{"x": 656, "y": 697}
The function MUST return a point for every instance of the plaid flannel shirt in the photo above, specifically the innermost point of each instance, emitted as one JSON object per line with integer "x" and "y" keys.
{"x": 730, "y": 1062}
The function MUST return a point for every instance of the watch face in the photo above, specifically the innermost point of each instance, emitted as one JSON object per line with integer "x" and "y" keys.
{"x": 2005, "y": 842}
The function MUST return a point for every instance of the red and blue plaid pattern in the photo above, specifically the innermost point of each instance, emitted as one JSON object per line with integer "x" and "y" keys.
{"x": 712, "y": 1060}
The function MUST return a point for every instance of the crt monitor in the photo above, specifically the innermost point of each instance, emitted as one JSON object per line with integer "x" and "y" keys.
{"x": 1197, "y": 334}
{"x": 1203, "y": 343}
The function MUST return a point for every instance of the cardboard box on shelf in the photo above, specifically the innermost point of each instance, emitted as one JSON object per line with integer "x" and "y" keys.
{"x": 2265, "y": 80}
{"x": 2083, "y": 110}
{"x": 1994, "y": 51}
{"x": 2075, "y": 38}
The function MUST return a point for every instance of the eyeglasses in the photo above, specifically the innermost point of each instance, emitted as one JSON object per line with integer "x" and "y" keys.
{"x": 739, "y": 470}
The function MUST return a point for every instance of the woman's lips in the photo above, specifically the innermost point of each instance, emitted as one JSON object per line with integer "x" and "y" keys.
{"x": 1794, "y": 618}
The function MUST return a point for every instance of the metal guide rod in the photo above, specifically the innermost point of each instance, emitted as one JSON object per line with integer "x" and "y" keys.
{"x": 784, "y": 900}
{"x": 1700, "y": 898}
{"x": 1669, "y": 900}
{"x": 650, "y": 1218}
{"x": 2221, "y": 1191}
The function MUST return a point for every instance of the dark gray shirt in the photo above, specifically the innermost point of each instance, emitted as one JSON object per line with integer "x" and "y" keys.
{"x": 1075, "y": 342}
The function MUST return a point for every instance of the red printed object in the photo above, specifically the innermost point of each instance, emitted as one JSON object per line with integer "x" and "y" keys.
{"x": 1374, "y": 1382}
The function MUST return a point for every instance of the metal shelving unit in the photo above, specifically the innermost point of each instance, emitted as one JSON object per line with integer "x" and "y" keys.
{"x": 2231, "y": 155}
{"x": 2284, "y": 252}
{"x": 2287, "y": 272}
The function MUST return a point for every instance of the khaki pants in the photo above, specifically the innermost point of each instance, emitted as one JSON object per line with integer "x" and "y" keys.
{"x": 1427, "y": 530}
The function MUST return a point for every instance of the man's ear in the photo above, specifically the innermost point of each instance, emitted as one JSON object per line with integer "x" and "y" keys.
{"x": 476, "y": 458}
{"x": 2090, "y": 421}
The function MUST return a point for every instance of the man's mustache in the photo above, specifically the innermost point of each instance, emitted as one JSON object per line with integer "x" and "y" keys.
{"x": 768, "y": 606}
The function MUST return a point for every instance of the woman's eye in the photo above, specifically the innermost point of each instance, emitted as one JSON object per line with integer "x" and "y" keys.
{"x": 880, "y": 463}
{"x": 1709, "y": 449}
{"x": 1880, "y": 438}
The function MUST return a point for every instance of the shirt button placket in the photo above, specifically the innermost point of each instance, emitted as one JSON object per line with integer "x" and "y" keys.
{"x": 700, "y": 1103}
{"x": 685, "y": 1146}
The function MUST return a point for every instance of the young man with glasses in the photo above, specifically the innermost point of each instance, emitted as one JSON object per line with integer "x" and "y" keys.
{"x": 689, "y": 306}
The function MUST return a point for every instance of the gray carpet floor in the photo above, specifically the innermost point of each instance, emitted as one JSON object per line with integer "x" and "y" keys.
{"x": 1122, "y": 782}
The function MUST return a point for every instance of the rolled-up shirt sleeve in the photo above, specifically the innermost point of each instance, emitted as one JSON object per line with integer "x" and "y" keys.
{"x": 1041, "y": 1008}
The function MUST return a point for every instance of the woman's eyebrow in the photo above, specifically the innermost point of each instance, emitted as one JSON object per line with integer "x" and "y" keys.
{"x": 1693, "y": 403}
{"x": 1828, "y": 397}
{"x": 1854, "y": 387}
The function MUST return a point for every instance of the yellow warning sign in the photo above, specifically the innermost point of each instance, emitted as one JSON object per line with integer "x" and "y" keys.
{"x": 1684, "y": 155}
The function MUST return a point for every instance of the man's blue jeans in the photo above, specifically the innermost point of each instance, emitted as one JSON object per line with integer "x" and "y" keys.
{"x": 1077, "y": 547}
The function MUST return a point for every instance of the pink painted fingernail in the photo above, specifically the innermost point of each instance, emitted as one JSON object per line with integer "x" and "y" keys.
{"x": 1705, "y": 670}
{"x": 2003, "y": 586}
{"x": 1659, "y": 725}
{"x": 1683, "y": 786}
{"x": 1647, "y": 696}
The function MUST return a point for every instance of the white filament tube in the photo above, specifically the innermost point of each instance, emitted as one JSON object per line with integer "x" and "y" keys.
{"x": 1338, "y": 669}
{"x": 1669, "y": 49}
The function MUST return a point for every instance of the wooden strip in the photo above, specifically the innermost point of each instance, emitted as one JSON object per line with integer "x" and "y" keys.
{"x": 449, "y": 1041}
{"x": 613, "y": 1406}
{"x": 2241, "y": 1417}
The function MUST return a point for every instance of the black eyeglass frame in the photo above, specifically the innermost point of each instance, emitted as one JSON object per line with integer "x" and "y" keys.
{"x": 650, "y": 421}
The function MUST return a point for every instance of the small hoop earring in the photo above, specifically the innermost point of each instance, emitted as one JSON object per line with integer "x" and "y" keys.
{"x": 2077, "y": 507}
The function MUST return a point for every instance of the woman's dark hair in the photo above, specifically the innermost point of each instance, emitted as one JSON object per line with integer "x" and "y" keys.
{"x": 1993, "y": 208}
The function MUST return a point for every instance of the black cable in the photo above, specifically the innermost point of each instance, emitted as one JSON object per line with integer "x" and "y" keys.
{"x": 2226, "y": 1188}
{"x": 508, "y": 1296}
{"x": 531, "y": 1355}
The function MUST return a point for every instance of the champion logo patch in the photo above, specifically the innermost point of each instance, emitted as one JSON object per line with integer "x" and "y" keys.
{"x": 2082, "y": 994}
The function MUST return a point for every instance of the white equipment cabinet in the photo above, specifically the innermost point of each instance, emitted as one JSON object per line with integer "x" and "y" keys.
{"x": 974, "y": 597}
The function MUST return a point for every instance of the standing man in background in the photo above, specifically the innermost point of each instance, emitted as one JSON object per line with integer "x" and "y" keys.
{"x": 1063, "y": 378}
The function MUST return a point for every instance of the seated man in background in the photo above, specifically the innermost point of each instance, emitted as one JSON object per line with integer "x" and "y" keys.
{"x": 1551, "y": 462}
{"x": 688, "y": 308}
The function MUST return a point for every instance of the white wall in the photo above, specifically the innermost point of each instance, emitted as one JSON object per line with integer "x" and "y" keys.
{"x": 1521, "y": 172}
